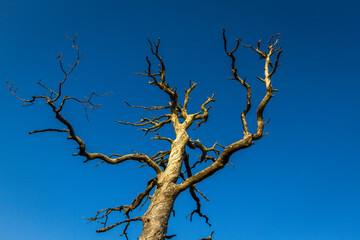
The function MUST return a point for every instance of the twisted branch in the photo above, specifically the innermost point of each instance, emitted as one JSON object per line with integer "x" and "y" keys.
{"x": 204, "y": 113}
{"x": 240, "y": 80}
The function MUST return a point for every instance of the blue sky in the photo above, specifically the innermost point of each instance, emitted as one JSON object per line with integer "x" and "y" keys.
{"x": 299, "y": 182}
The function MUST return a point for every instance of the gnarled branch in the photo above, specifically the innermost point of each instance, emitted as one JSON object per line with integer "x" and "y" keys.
{"x": 193, "y": 194}
{"x": 240, "y": 80}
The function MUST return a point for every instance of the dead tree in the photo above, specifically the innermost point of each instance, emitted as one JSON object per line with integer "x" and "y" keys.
{"x": 174, "y": 172}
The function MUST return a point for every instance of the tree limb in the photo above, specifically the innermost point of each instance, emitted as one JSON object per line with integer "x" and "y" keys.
{"x": 104, "y": 214}
{"x": 158, "y": 137}
{"x": 155, "y": 122}
{"x": 148, "y": 108}
{"x": 240, "y": 80}
{"x": 162, "y": 85}
{"x": 49, "y": 130}
{"x": 127, "y": 221}
{"x": 193, "y": 194}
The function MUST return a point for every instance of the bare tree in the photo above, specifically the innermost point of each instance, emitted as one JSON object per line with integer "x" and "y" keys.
{"x": 174, "y": 173}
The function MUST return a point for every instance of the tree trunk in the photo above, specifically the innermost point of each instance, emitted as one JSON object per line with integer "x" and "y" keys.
{"x": 155, "y": 220}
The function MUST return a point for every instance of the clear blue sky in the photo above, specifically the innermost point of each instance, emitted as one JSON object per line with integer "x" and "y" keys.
{"x": 300, "y": 182}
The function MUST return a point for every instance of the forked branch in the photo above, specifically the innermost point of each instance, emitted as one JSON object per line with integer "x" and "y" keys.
{"x": 204, "y": 152}
{"x": 177, "y": 111}
{"x": 248, "y": 138}
{"x": 269, "y": 71}
{"x": 160, "y": 83}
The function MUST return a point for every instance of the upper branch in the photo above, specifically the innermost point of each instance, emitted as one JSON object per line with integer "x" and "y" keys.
{"x": 177, "y": 110}
{"x": 203, "y": 115}
{"x": 187, "y": 94}
{"x": 242, "y": 81}
{"x": 52, "y": 92}
{"x": 87, "y": 103}
{"x": 269, "y": 71}
{"x": 171, "y": 91}
{"x": 26, "y": 102}
{"x": 67, "y": 73}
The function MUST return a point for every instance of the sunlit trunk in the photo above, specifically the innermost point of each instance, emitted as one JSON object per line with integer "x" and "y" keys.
{"x": 155, "y": 220}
